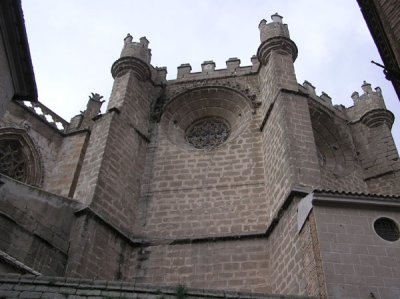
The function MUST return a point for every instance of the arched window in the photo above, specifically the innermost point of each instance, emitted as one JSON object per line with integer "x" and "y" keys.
{"x": 13, "y": 161}
{"x": 19, "y": 158}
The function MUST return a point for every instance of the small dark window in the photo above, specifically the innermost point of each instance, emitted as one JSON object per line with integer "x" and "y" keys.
{"x": 387, "y": 229}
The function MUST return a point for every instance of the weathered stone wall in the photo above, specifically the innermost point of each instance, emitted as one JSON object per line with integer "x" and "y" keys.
{"x": 386, "y": 184}
{"x": 338, "y": 161}
{"x": 46, "y": 140}
{"x": 286, "y": 256}
{"x": 276, "y": 157}
{"x": 198, "y": 192}
{"x": 111, "y": 176}
{"x": 294, "y": 258}
{"x": 313, "y": 274}
{"x": 356, "y": 261}
{"x": 59, "y": 155}
{"x": 112, "y": 170}
{"x": 287, "y": 138}
{"x": 220, "y": 264}
{"x": 379, "y": 154}
{"x": 35, "y": 226}
{"x": 107, "y": 253}
{"x": 69, "y": 161}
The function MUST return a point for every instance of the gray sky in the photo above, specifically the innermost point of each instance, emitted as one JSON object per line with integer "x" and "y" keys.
{"x": 73, "y": 43}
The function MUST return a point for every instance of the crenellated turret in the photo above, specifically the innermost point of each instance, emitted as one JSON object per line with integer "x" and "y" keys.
{"x": 371, "y": 123}
{"x": 135, "y": 56}
{"x": 275, "y": 37}
{"x": 370, "y": 108}
{"x": 136, "y": 49}
{"x": 276, "y": 55}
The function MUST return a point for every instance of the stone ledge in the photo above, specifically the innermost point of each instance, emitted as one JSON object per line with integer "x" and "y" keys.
{"x": 18, "y": 286}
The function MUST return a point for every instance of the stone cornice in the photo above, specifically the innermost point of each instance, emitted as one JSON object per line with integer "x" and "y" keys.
{"x": 278, "y": 44}
{"x": 360, "y": 200}
{"x": 125, "y": 64}
{"x": 16, "y": 46}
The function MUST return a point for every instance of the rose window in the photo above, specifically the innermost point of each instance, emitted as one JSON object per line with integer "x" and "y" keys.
{"x": 207, "y": 133}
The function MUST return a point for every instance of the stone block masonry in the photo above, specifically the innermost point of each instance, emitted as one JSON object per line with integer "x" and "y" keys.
{"x": 69, "y": 160}
{"x": 17, "y": 286}
{"x": 200, "y": 193}
{"x": 35, "y": 227}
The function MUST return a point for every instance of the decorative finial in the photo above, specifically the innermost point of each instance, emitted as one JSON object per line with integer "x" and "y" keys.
{"x": 355, "y": 96}
{"x": 263, "y": 22}
{"x": 96, "y": 97}
{"x": 366, "y": 87}
{"x": 128, "y": 38}
{"x": 144, "y": 41}
{"x": 276, "y": 18}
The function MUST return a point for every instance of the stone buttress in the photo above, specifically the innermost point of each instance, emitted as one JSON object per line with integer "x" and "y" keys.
{"x": 110, "y": 179}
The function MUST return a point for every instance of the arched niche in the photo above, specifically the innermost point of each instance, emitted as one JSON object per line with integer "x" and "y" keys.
{"x": 334, "y": 145}
{"x": 214, "y": 112}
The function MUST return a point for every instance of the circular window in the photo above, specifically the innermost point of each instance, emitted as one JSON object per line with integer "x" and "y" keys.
{"x": 387, "y": 229}
{"x": 207, "y": 133}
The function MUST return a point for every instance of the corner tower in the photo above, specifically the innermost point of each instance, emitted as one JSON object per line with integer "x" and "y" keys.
{"x": 371, "y": 124}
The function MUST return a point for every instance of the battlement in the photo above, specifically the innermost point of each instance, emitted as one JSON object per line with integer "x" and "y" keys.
{"x": 208, "y": 70}
{"x": 368, "y": 101}
{"x": 324, "y": 98}
{"x": 136, "y": 49}
{"x": 368, "y": 95}
{"x": 274, "y": 29}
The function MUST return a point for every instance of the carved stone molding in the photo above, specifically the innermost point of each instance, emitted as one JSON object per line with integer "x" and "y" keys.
{"x": 278, "y": 44}
{"x": 125, "y": 64}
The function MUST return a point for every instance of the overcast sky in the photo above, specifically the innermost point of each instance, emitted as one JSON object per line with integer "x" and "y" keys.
{"x": 73, "y": 43}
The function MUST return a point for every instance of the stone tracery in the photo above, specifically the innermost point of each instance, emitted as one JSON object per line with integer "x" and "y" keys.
{"x": 19, "y": 157}
{"x": 13, "y": 162}
{"x": 207, "y": 133}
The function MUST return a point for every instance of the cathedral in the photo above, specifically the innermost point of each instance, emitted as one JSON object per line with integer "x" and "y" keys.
{"x": 226, "y": 183}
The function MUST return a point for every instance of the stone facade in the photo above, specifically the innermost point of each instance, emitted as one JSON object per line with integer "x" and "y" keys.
{"x": 214, "y": 180}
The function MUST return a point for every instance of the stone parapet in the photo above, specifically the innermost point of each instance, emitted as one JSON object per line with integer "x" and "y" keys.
{"x": 208, "y": 70}
{"x": 367, "y": 102}
{"x": 45, "y": 114}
